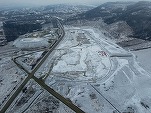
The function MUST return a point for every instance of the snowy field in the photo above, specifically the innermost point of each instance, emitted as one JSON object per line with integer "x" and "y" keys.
{"x": 27, "y": 43}
{"x": 33, "y": 99}
{"x": 30, "y": 61}
{"x": 144, "y": 58}
{"x": 111, "y": 72}
{"x": 95, "y": 74}
{"x": 80, "y": 57}
{"x": 10, "y": 78}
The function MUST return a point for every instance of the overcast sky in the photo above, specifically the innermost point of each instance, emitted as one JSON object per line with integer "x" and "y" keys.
{"x": 47, "y": 2}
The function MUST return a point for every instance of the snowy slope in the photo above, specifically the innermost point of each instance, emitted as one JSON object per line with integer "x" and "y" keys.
{"x": 97, "y": 75}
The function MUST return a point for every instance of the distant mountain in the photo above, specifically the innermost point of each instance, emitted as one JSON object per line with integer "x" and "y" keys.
{"x": 104, "y": 10}
{"x": 62, "y": 8}
{"x": 19, "y": 21}
{"x": 136, "y": 15}
{"x": 13, "y": 30}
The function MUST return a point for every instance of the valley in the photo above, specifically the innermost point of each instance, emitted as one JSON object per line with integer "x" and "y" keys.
{"x": 76, "y": 58}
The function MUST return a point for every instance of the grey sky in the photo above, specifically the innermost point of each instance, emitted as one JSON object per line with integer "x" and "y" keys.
{"x": 47, "y": 2}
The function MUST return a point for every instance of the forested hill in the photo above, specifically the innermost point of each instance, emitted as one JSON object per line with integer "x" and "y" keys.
{"x": 136, "y": 15}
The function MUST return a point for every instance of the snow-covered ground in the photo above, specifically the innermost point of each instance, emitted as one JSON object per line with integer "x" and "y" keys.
{"x": 29, "y": 61}
{"x": 10, "y": 78}
{"x": 114, "y": 79}
{"x": 27, "y": 43}
{"x": 80, "y": 57}
{"x": 34, "y": 40}
{"x": 144, "y": 58}
{"x": 95, "y": 74}
{"x": 33, "y": 99}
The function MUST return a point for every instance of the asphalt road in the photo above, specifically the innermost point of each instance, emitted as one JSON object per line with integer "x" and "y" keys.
{"x": 31, "y": 75}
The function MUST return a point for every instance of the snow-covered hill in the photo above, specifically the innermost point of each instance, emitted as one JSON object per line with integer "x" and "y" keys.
{"x": 97, "y": 75}
{"x": 135, "y": 15}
